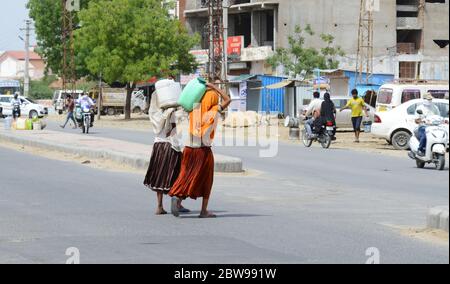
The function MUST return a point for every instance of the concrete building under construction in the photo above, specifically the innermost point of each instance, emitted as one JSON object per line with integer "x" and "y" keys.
{"x": 410, "y": 36}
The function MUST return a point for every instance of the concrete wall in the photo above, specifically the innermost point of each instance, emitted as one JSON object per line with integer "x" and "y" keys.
{"x": 435, "y": 62}
{"x": 436, "y": 27}
{"x": 341, "y": 19}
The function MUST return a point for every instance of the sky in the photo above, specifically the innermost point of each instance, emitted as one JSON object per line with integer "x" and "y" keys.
{"x": 13, "y": 16}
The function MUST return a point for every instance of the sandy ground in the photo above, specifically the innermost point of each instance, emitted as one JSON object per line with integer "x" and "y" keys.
{"x": 345, "y": 139}
{"x": 434, "y": 236}
{"x": 438, "y": 237}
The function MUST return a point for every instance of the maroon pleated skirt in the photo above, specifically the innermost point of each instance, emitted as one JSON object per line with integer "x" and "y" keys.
{"x": 164, "y": 168}
{"x": 197, "y": 174}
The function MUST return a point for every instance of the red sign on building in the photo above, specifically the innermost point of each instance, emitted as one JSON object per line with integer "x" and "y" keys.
{"x": 235, "y": 45}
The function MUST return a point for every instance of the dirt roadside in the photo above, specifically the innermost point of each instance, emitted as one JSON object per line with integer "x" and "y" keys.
{"x": 102, "y": 164}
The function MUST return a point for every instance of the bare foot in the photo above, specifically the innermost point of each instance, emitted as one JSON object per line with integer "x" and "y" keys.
{"x": 161, "y": 211}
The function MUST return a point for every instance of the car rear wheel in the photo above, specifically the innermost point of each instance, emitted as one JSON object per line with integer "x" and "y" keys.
{"x": 400, "y": 140}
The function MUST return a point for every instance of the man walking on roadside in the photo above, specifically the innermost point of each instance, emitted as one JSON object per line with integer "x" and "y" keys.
{"x": 70, "y": 109}
{"x": 358, "y": 107}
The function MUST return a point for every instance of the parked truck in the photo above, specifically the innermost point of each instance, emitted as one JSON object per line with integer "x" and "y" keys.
{"x": 113, "y": 100}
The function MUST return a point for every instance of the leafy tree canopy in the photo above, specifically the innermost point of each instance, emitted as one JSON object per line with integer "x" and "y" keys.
{"x": 47, "y": 17}
{"x": 132, "y": 40}
{"x": 298, "y": 57}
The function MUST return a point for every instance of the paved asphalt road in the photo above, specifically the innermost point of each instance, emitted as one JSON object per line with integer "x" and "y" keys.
{"x": 305, "y": 206}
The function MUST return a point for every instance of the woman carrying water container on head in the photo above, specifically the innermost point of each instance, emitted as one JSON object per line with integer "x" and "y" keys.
{"x": 165, "y": 161}
{"x": 197, "y": 168}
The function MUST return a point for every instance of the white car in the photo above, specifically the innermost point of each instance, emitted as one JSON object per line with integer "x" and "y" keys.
{"x": 28, "y": 108}
{"x": 398, "y": 125}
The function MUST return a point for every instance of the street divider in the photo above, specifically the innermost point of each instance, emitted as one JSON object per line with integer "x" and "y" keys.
{"x": 125, "y": 153}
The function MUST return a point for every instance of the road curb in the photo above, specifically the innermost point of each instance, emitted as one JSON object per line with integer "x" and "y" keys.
{"x": 223, "y": 164}
{"x": 437, "y": 218}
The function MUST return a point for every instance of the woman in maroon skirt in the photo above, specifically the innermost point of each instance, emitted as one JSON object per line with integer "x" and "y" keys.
{"x": 197, "y": 168}
{"x": 166, "y": 157}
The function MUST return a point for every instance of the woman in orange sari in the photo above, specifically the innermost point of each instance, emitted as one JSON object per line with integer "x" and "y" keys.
{"x": 197, "y": 166}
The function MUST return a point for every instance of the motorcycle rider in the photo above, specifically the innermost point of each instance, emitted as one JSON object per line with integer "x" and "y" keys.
{"x": 87, "y": 105}
{"x": 428, "y": 109}
{"x": 16, "y": 103}
{"x": 313, "y": 111}
{"x": 328, "y": 111}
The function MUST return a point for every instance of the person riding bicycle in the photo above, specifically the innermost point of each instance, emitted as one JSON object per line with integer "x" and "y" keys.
{"x": 313, "y": 112}
{"x": 16, "y": 103}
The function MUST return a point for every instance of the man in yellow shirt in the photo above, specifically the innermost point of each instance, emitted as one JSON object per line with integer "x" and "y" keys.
{"x": 358, "y": 107}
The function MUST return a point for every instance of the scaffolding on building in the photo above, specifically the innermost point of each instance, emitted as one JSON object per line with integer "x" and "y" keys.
{"x": 215, "y": 32}
{"x": 364, "y": 63}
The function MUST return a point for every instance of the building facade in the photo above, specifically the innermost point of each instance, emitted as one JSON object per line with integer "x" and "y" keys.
{"x": 410, "y": 36}
{"x": 12, "y": 65}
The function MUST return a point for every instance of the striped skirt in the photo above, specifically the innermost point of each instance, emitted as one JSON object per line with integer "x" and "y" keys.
{"x": 164, "y": 168}
{"x": 197, "y": 174}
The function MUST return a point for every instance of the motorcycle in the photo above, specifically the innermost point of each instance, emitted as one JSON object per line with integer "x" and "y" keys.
{"x": 331, "y": 129}
{"x": 16, "y": 111}
{"x": 87, "y": 119}
{"x": 437, "y": 139}
{"x": 323, "y": 134}
{"x": 84, "y": 118}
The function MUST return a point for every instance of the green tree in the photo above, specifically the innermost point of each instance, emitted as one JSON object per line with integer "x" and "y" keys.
{"x": 131, "y": 40}
{"x": 298, "y": 57}
{"x": 47, "y": 17}
{"x": 40, "y": 89}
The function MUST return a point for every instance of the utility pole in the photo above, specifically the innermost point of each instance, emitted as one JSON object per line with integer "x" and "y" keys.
{"x": 225, "y": 41}
{"x": 26, "y": 74}
{"x": 68, "y": 70}
{"x": 99, "y": 99}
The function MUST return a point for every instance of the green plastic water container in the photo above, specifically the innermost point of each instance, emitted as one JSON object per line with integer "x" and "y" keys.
{"x": 29, "y": 124}
{"x": 192, "y": 94}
